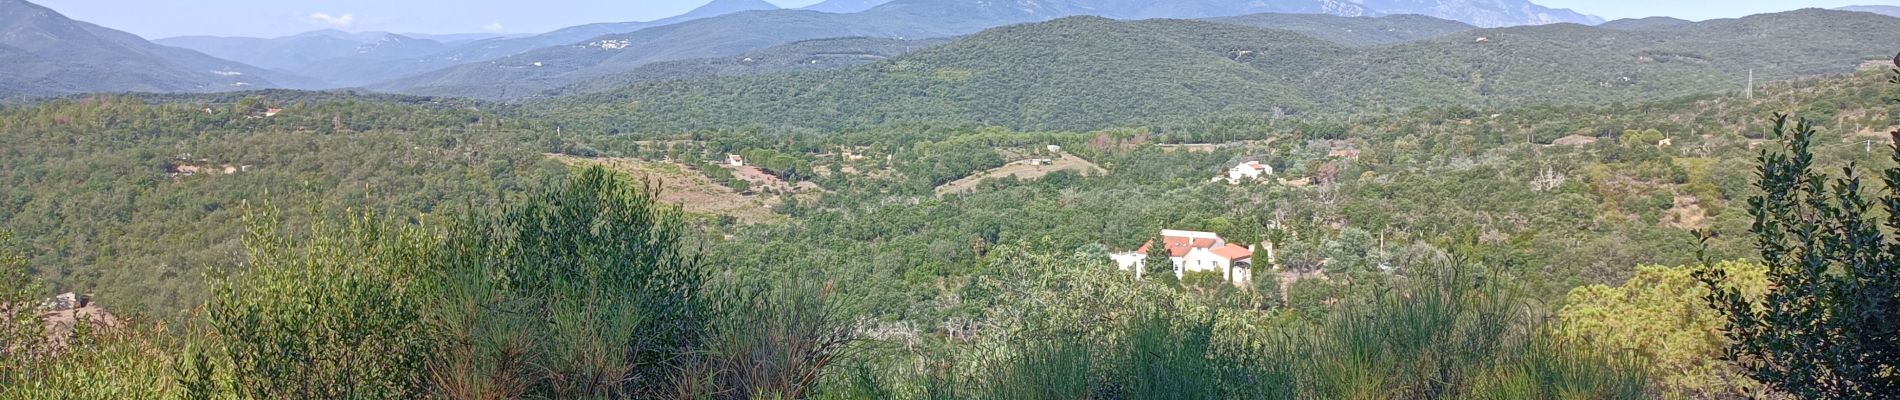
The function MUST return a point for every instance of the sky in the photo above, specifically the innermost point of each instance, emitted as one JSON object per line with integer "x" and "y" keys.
{"x": 270, "y": 18}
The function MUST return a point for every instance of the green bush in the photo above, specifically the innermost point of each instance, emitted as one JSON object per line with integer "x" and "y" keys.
{"x": 333, "y": 314}
{"x": 1442, "y": 335}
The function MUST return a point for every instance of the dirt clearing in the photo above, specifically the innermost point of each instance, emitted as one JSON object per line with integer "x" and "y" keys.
{"x": 1024, "y": 169}
{"x": 689, "y": 189}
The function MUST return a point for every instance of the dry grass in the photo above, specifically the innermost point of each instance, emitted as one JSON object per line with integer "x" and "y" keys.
{"x": 1685, "y": 213}
{"x": 1023, "y": 169}
{"x": 690, "y": 190}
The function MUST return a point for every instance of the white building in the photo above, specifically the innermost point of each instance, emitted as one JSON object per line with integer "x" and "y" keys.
{"x": 1249, "y": 171}
{"x": 735, "y": 160}
{"x": 1192, "y": 251}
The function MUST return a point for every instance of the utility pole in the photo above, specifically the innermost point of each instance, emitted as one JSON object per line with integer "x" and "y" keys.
{"x": 1750, "y": 91}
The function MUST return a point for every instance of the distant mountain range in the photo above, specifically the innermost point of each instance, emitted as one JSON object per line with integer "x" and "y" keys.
{"x": 1084, "y": 73}
{"x": 1483, "y": 13}
{"x": 726, "y": 35}
{"x": 845, "y": 6}
{"x": 300, "y": 51}
{"x": 1891, "y": 11}
{"x": 43, "y": 53}
{"x": 348, "y": 60}
{"x": 47, "y": 54}
{"x": 504, "y": 61}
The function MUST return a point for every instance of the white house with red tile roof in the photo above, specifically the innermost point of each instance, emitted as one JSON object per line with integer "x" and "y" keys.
{"x": 1247, "y": 172}
{"x": 1193, "y": 251}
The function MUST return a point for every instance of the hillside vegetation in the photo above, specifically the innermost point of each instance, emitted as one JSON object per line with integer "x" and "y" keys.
{"x": 1049, "y": 75}
{"x": 1546, "y": 212}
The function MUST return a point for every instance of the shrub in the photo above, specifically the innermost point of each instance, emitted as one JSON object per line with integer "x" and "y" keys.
{"x": 1830, "y": 325}
{"x": 335, "y": 314}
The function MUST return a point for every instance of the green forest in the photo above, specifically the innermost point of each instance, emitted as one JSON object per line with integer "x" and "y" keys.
{"x": 953, "y": 224}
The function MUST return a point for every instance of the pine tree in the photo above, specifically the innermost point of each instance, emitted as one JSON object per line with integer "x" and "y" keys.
{"x": 1159, "y": 263}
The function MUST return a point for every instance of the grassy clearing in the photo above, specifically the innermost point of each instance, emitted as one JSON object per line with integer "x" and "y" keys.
{"x": 1024, "y": 169}
{"x": 689, "y": 189}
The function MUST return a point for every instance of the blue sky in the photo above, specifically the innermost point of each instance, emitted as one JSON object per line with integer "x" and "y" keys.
{"x": 166, "y": 18}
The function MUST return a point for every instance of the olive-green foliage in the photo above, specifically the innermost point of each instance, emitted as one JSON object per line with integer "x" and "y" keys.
{"x": 335, "y": 313}
{"x": 22, "y": 334}
{"x": 129, "y": 361}
{"x": 1440, "y": 336}
{"x": 1661, "y": 315}
{"x": 96, "y": 360}
{"x": 87, "y": 184}
{"x": 1159, "y": 262}
{"x": 581, "y": 290}
{"x": 1828, "y": 325}
{"x": 786, "y": 166}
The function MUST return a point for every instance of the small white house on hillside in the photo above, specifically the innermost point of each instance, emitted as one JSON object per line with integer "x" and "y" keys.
{"x": 1247, "y": 172}
{"x": 735, "y": 160}
{"x": 1192, "y": 251}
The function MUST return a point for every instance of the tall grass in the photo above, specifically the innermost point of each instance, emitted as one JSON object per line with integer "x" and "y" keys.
{"x": 1440, "y": 336}
{"x": 585, "y": 289}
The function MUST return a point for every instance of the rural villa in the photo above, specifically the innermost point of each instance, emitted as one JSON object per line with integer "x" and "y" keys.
{"x": 1247, "y": 172}
{"x": 1193, "y": 251}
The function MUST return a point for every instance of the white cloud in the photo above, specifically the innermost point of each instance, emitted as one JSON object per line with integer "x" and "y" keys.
{"x": 344, "y": 21}
{"x": 492, "y": 27}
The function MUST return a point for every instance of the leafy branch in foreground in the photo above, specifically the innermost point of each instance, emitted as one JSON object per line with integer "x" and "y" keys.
{"x": 1830, "y": 325}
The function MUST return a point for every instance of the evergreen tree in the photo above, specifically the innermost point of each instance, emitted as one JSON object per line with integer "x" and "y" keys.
{"x": 1830, "y": 327}
{"x": 1159, "y": 264}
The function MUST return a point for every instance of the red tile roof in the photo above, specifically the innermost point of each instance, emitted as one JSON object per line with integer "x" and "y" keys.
{"x": 1179, "y": 246}
{"x": 1233, "y": 252}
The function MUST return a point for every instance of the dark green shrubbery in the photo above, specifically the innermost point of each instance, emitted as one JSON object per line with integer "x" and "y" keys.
{"x": 582, "y": 290}
{"x": 1829, "y": 326}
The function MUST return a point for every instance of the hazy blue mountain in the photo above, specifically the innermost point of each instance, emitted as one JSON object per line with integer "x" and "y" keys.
{"x": 1891, "y": 11}
{"x": 574, "y": 34}
{"x": 46, "y": 53}
{"x": 743, "y": 32}
{"x": 340, "y": 59}
{"x": 810, "y": 55}
{"x": 460, "y": 38}
{"x": 736, "y": 33}
{"x": 845, "y": 6}
{"x": 299, "y": 52}
{"x": 491, "y": 49}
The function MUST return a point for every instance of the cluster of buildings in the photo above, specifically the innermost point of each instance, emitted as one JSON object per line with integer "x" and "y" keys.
{"x": 1193, "y": 251}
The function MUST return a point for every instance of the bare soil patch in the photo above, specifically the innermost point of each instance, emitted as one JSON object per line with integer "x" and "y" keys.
{"x": 1023, "y": 169}
{"x": 682, "y": 186}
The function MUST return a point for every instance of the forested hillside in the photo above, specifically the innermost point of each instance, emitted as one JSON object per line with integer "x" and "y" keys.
{"x": 1465, "y": 215}
{"x": 1251, "y": 207}
{"x": 1354, "y": 31}
{"x": 1050, "y": 75}
{"x": 136, "y": 199}
{"x": 611, "y": 53}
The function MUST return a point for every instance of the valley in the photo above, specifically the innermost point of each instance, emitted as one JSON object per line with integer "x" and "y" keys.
{"x": 929, "y": 199}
